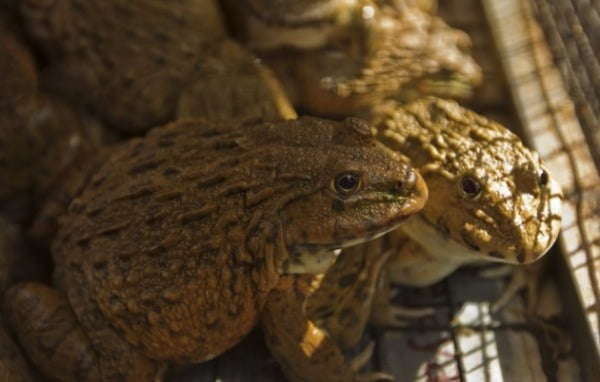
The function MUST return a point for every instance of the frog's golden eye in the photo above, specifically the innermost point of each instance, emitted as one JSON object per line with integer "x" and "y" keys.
{"x": 544, "y": 178}
{"x": 346, "y": 183}
{"x": 469, "y": 187}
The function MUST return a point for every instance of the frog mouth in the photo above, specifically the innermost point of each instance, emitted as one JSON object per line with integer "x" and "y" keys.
{"x": 451, "y": 85}
{"x": 368, "y": 234}
{"x": 425, "y": 233}
{"x": 317, "y": 258}
{"x": 311, "y": 260}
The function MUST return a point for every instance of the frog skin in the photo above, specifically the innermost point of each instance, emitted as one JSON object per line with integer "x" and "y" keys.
{"x": 340, "y": 300}
{"x": 229, "y": 82}
{"x": 491, "y": 200}
{"x": 125, "y": 61}
{"x": 39, "y": 134}
{"x": 18, "y": 76}
{"x": 306, "y": 24}
{"x": 171, "y": 251}
{"x": 390, "y": 50}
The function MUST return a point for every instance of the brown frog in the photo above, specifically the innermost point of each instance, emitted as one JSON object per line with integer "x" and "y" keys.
{"x": 491, "y": 199}
{"x": 18, "y": 100}
{"x": 229, "y": 82}
{"x": 126, "y": 61}
{"x": 40, "y": 136}
{"x": 365, "y": 51}
{"x": 184, "y": 237}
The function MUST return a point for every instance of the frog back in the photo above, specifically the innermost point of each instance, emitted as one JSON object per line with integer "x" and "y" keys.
{"x": 156, "y": 243}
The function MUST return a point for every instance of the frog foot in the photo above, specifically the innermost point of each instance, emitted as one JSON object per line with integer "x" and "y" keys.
{"x": 522, "y": 277}
{"x": 394, "y": 316}
{"x": 361, "y": 360}
{"x": 517, "y": 283}
{"x": 553, "y": 337}
{"x": 385, "y": 314}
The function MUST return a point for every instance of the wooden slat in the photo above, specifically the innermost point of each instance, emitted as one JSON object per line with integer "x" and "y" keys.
{"x": 548, "y": 115}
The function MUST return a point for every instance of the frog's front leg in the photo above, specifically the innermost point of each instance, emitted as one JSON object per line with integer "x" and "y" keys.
{"x": 341, "y": 302}
{"x": 528, "y": 277}
{"x": 411, "y": 265}
{"x": 50, "y": 333}
{"x": 303, "y": 350}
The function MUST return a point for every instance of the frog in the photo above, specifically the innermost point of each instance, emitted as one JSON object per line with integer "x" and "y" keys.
{"x": 40, "y": 135}
{"x": 229, "y": 82}
{"x": 376, "y": 50}
{"x": 126, "y": 62}
{"x": 264, "y": 25}
{"x": 17, "y": 101}
{"x": 492, "y": 200}
{"x": 185, "y": 239}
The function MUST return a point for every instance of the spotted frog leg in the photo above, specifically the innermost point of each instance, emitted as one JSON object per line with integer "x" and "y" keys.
{"x": 491, "y": 198}
{"x": 356, "y": 291}
{"x": 228, "y": 83}
{"x": 527, "y": 277}
{"x": 304, "y": 350}
{"x": 341, "y": 298}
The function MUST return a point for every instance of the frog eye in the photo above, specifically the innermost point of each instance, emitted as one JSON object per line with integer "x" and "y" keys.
{"x": 544, "y": 178}
{"x": 346, "y": 183}
{"x": 469, "y": 187}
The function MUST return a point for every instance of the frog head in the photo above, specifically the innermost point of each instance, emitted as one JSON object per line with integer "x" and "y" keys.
{"x": 344, "y": 188}
{"x": 491, "y": 197}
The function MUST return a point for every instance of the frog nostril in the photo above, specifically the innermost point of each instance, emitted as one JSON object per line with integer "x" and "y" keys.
{"x": 398, "y": 186}
{"x": 407, "y": 183}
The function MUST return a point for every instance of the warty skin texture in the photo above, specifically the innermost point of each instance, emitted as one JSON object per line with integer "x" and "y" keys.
{"x": 174, "y": 245}
{"x": 338, "y": 58}
{"x": 491, "y": 199}
{"x": 126, "y": 61}
{"x": 493, "y": 195}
